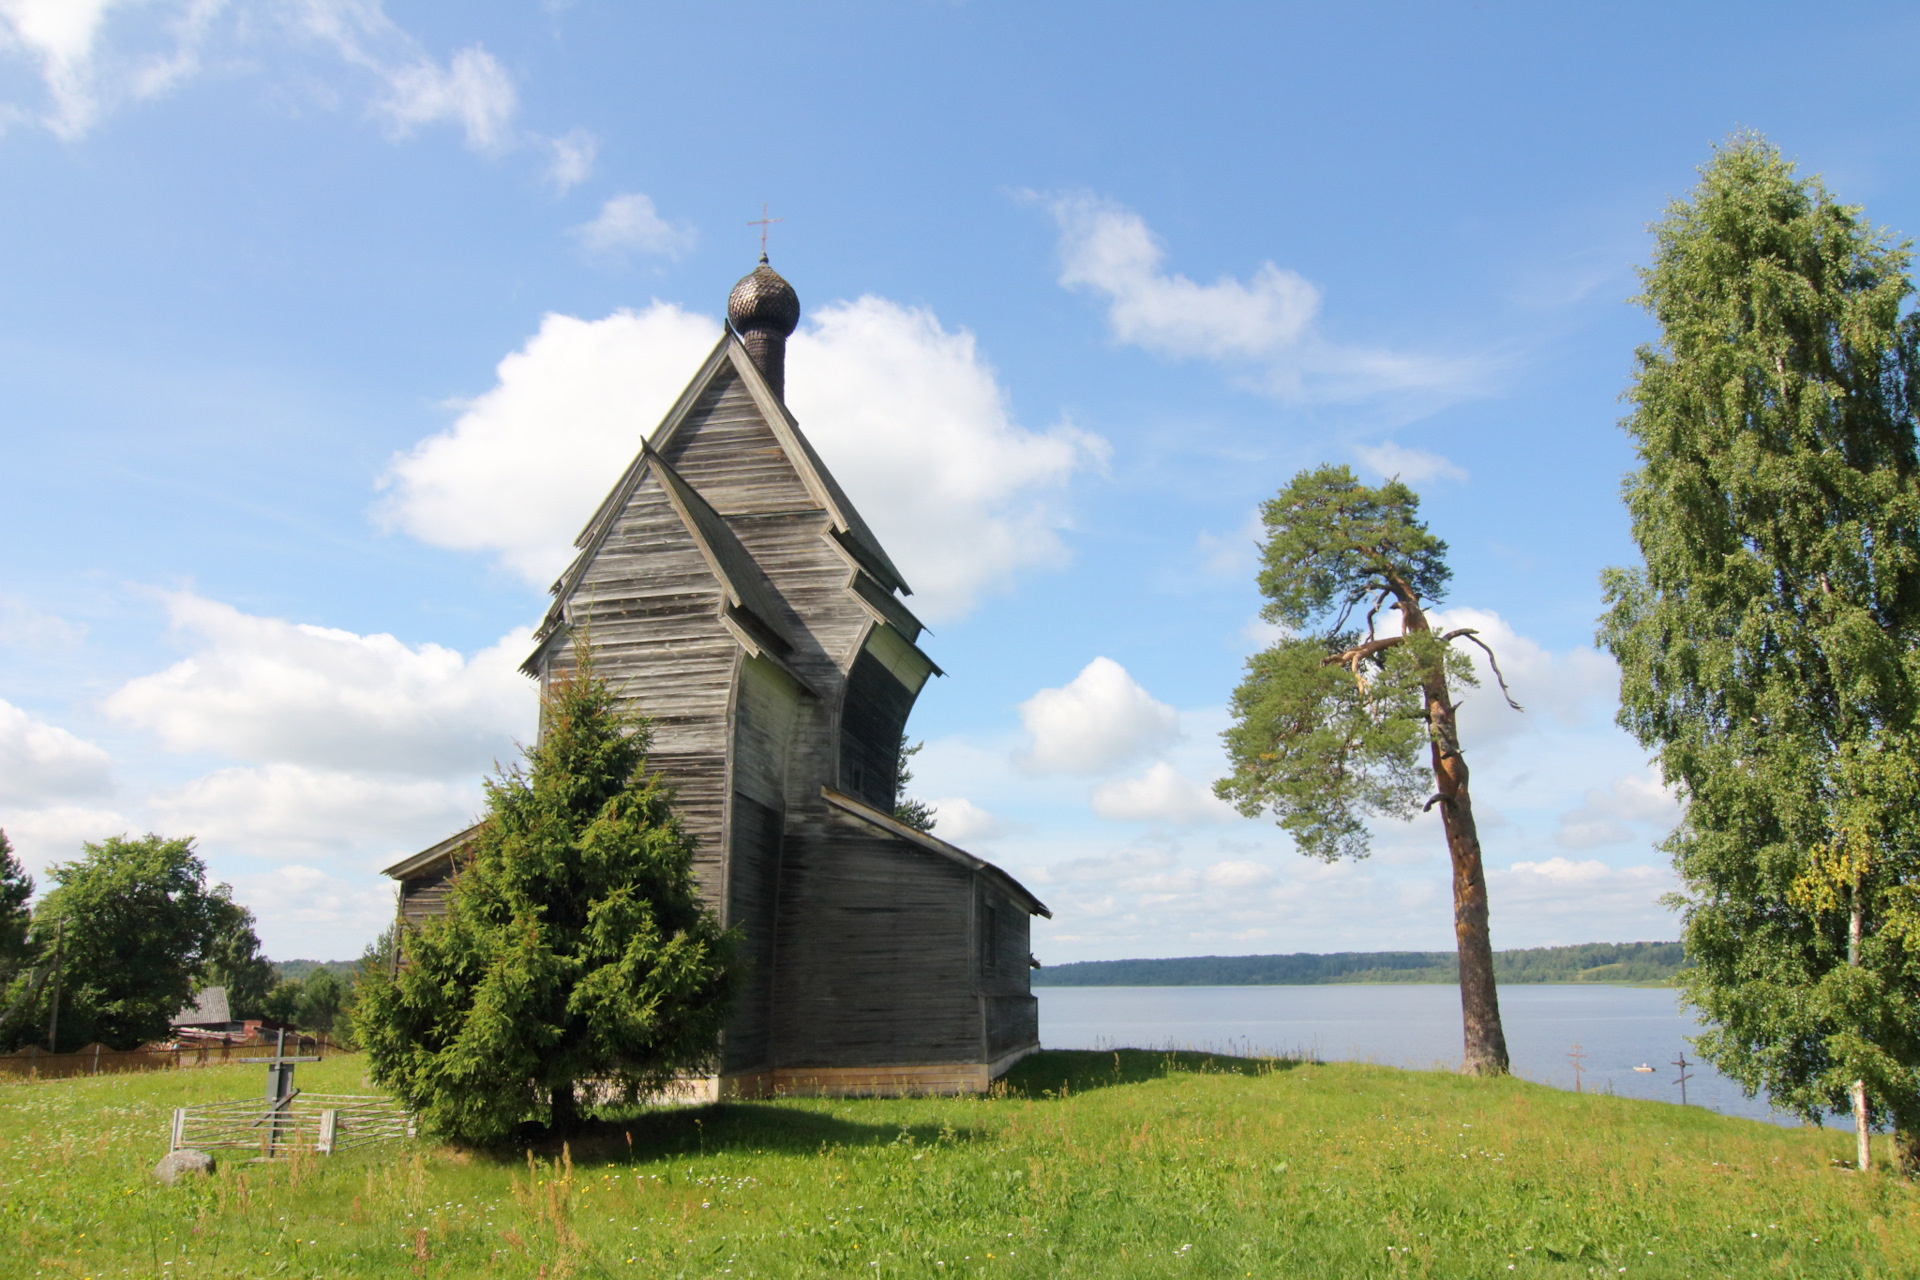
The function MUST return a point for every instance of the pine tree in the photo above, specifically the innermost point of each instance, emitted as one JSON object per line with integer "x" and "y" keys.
{"x": 1770, "y": 643}
{"x": 914, "y": 813}
{"x": 1329, "y": 723}
{"x": 574, "y": 948}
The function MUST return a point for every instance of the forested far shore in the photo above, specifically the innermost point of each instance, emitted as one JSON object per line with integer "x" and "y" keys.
{"x": 1590, "y": 962}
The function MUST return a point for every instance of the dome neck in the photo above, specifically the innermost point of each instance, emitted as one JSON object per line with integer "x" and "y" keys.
{"x": 764, "y": 310}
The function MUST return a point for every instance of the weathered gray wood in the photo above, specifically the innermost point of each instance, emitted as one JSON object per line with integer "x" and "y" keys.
{"x": 731, "y": 594}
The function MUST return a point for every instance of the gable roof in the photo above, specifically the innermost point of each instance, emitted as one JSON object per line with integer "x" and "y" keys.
{"x": 745, "y": 585}
{"x": 933, "y": 844}
{"x": 849, "y": 528}
{"x": 209, "y": 1008}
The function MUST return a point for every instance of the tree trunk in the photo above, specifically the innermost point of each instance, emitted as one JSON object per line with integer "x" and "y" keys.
{"x": 565, "y": 1113}
{"x": 1485, "y": 1039}
{"x": 1906, "y": 1148}
{"x": 1862, "y": 1114}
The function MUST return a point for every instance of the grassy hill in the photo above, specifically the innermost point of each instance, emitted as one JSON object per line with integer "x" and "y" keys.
{"x": 1592, "y": 962}
{"x": 1089, "y": 1165}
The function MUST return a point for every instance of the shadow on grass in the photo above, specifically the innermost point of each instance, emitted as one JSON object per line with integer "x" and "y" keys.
{"x": 1052, "y": 1071}
{"x": 773, "y": 1126}
{"x": 750, "y": 1127}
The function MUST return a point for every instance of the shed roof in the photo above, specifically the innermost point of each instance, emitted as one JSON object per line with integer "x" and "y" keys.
{"x": 933, "y": 844}
{"x": 414, "y": 864}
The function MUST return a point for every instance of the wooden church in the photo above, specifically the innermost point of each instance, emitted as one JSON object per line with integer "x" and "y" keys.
{"x": 733, "y": 595}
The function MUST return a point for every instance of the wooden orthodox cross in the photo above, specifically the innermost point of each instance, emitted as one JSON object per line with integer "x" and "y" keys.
{"x": 763, "y": 222}
{"x": 1685, "y": 1075}
{"x": 280, "y": 1091}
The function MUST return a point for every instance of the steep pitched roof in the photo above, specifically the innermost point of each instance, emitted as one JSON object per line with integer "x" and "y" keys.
{"x": 851, "y": 530}
{"x": 746, "y": 586}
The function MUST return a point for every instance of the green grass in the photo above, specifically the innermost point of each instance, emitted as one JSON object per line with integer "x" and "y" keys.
{"x": 1134, "y": 1164}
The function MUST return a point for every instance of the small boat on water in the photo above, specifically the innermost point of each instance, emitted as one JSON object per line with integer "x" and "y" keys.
{"x": 1644, "y": 1067}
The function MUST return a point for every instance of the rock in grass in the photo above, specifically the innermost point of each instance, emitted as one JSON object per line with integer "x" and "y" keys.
{"x": 185, "y": 1161}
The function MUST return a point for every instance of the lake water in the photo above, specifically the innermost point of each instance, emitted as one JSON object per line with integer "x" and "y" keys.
{"x": 1409, "y": 1025}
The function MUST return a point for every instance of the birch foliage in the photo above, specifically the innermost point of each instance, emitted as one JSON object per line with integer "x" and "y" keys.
{"x": 1767, "y": 641}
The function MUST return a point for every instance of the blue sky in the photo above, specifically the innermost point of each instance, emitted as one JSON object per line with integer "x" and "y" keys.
{"x": 328, "y": 323}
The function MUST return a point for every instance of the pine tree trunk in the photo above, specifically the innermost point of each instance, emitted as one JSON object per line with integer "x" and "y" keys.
{"x": 1485, "y": 1039}
{"x": 565, "y": 1110}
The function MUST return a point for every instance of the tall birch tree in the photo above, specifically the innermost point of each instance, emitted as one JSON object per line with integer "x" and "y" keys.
{"x": 1768, "y": 640}
{"x": 1330, "y": 722}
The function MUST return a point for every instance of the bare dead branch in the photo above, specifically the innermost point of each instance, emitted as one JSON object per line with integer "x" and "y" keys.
{"x": 1377, "y": 602}
{"x": 1469, "y": 633}
{"x": 1359, "y": 653}
{"x": 1440, "y": 798}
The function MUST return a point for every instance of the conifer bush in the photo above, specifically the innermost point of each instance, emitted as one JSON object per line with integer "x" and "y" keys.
{"x": 575, "y": 956}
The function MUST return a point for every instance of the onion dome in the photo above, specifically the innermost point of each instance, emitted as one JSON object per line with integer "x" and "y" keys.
{"x": 764, "y": 310}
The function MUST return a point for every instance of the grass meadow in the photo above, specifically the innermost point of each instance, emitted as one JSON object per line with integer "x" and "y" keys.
{"x": 1136, "y": 1164}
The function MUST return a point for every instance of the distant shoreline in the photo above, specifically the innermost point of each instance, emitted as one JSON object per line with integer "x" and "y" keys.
{"x": 1646, "y": 964}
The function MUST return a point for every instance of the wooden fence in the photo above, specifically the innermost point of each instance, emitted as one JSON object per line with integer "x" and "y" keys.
{"x": 97, "y": 1060}
{"x": 316, "y": 1123}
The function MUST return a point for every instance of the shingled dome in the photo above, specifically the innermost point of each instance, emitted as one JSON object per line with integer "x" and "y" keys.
{"x": 764, "y": 311}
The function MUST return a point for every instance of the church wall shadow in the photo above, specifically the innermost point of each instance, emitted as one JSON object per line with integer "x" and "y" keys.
{"x": 754, "y": 1127}
{"x": 1054, "y": 1071}
{"x": 777, "y": 1126}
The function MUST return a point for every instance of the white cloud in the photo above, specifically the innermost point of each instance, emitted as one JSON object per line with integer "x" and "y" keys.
{"x": 527, "y": 462}
{"x": 310, "y": 914}
{"x": 908, "y": 416}
{"x": 286, "y": 812}
{"x": 472, "y": 90}
{"x": 1265, "y": 323}
{"x": 1612, "y": 816}
{"x": 915, "y": 425}
{"x": 573, "y": 156}
{"x": 1235, "y": 554}
{"x": 40, "y": 761}
{"x": 1107, "y": 868}
{"x": 959, "y": 820}
{"x": 81, "y": 79}
{"x": 1415, "y": 466}
{"x": 1162, "y": 794}
{"x": 1567, "y": 688}
{"x": 629, "y": 222}
{"x": 267, "y": 690}
{"x": 94, "y": 55}
{"x": 1237, "y": 874}
{"x": 1098, "y": 720}
{"x": 55, "y": 833}
{"x": 24, "y": 627}
{"x": 1562, "y": 902}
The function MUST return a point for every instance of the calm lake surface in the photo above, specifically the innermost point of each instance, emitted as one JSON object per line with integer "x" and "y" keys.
{"x": 1617, "y": 1028}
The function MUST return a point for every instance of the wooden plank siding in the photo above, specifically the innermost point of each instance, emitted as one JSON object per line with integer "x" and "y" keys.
{"x": 873, "y": 956}
{"x": 864, "y": 964}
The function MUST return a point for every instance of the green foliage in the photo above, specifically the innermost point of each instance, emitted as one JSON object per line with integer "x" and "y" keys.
{"x": 1123, "y": 1165}
{"x": 1326, "y": 744}
{"x": 234, "y": 961}
{"x": 1591, "y": 962}
{"x": 1333, "y": 544}
{"x": 16, "y": 886}
{"x": 282, "y": 1004}
{"x": 1770, "y": 643}
{"x": 917, "y": 814}
{"x": 140, "y": 927}
{"x": 574, "y": 945}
